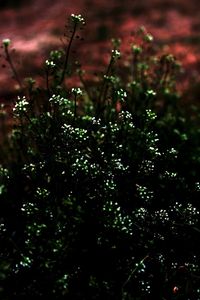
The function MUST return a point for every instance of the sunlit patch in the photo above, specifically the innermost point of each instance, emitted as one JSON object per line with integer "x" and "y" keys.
{"x": 34, "y": 45}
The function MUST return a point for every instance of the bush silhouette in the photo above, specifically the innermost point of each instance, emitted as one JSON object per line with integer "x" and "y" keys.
{"x": 99, "y": 195}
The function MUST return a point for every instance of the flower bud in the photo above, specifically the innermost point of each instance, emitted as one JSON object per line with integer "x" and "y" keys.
{"x": 6, "y": 42}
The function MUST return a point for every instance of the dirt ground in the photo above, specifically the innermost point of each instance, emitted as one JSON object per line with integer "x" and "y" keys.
{"x": 35, "y": 28}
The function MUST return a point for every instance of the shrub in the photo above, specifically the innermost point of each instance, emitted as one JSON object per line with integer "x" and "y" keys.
{"x": 99, "y": 196}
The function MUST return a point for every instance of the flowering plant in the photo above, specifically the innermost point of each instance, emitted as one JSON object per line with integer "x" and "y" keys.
{"x": 99, "y": 196}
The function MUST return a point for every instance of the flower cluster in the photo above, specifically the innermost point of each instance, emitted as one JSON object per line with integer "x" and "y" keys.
{"x": 21, "y": 106}
{"x": 77, "y": 19}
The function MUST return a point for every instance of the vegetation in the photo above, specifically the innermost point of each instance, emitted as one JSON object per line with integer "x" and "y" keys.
{"x": 99, "y": 194}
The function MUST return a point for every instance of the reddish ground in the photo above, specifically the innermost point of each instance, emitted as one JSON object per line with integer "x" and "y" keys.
{"x": 36, "y": 27}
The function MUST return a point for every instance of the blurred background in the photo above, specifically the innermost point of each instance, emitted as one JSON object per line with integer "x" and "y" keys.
{"x": 35, "y": 27}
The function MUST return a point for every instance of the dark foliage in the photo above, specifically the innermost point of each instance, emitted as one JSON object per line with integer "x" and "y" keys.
{"x": 99, "y": 197}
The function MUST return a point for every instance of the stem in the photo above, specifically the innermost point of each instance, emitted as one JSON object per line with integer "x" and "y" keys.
{"x": 102, "y": 91}
{"x": 8, "y": 58}
{"x": 132, "y": 272}
{"x": 47, "y": 82}
{"x": 85, "y": 87}
{"x": 67, "y": 54}
{"x": 75, "y": 98}
{"x": 187, "y": 226}
{"x": 135, "y": 67}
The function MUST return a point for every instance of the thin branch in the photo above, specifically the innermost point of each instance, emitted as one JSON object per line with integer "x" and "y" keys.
{"x": 132, "y": 272}
{"x": 67, "y": 53}
{"x": 9, "y": 60}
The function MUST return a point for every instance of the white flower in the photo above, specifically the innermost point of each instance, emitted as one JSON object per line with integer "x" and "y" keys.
{"x": 116, "y": 54}
{"x": 77, "y": 91}
{"x": 50, "y": 63}
{"x": 20, "y": 106}
{"x": 77, "y": 19}
{"x": 6, "y": 42}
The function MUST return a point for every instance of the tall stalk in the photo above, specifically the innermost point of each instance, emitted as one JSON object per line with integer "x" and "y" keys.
{"x": 67, "y": 53}
{"x": 6, "y": 43}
